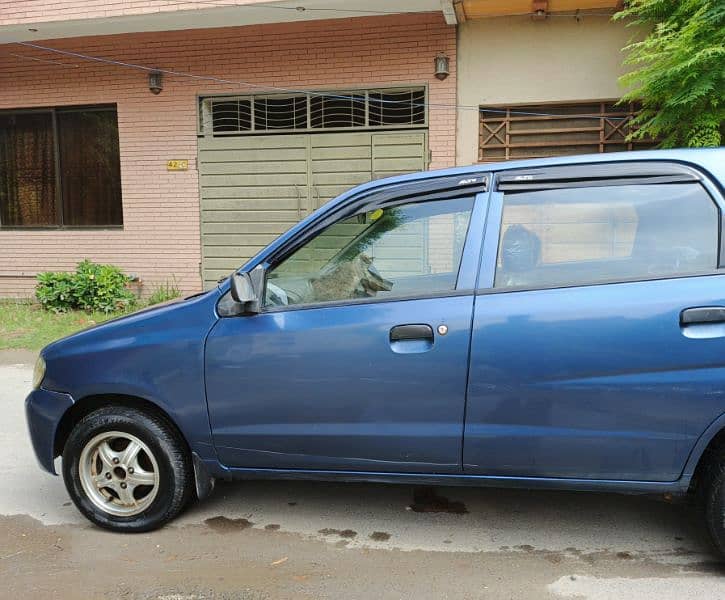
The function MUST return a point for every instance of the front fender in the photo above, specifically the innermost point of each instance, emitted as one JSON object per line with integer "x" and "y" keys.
{"x": 155, "y": 355}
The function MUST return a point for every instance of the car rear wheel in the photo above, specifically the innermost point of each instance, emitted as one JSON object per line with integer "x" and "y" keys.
{"x": 715, "y": 502}
{"x": 127, "y": 470}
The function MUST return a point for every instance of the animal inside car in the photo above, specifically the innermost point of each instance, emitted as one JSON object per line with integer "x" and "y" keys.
{"x": 545, "y": 324}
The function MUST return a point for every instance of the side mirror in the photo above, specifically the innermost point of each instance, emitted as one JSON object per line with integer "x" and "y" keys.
{"x": 242, "y": 288}
{"x": 246, "y": 290}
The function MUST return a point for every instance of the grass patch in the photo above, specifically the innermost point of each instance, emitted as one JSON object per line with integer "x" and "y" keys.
{"x": 168, "y": 290}
{"x": 24, "y": 325}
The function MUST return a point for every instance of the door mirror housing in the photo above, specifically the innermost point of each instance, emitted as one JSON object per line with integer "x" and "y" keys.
{"x": 246, "y": 290}
{"x": 242, "y": 289}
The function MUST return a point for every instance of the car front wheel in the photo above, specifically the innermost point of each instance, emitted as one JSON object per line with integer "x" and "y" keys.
{"x": 127, "y": 470}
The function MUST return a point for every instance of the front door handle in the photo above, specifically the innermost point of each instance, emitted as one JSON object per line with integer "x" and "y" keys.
{"x": 416, "y": 331}
{"x": 702, "y": 314}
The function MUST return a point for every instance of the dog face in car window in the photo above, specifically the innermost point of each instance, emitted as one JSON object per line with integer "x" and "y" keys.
{"x": 357, "y": 278}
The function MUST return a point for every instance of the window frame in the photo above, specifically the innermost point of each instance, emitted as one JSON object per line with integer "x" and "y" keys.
{"x": 475, "y": 185}
{"x": 58, "y": 197}
{"x": 505, "y": 114}
{"x": 621, "y": 173}
{"x": 205, "y": 112}
{"x": 457, "y": 290}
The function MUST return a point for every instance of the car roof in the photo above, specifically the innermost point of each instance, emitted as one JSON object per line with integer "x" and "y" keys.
{"x": 711, "y": 160}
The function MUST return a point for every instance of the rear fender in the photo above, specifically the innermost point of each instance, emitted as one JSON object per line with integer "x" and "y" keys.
{"x": 697, "y": 451}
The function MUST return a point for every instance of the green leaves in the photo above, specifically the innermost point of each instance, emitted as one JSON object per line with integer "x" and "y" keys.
{"x": 92, "y": 287}
{"x": 164, "y": 292}
{"x": 679, "y": 70}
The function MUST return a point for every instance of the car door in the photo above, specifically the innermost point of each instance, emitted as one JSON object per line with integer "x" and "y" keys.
{"x": 358, "y": 359}
{"x": 591, "y": 355}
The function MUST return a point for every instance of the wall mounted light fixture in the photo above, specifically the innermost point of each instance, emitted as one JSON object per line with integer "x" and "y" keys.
{"x": 156, "y": 82}
{"x": 442, "y": 66}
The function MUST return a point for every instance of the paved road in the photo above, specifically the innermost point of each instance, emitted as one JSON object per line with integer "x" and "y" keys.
{"x": 264, "y": 540}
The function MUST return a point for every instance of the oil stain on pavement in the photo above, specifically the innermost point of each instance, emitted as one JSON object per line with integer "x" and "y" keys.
{"x": 226, "y": 525}
{"x": 427, "y": 500}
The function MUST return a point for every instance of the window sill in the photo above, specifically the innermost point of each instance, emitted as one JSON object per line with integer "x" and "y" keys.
{"x": 720, "y": 271}
{"x": 61, "y": 228}
{"x": 365, "y": 301}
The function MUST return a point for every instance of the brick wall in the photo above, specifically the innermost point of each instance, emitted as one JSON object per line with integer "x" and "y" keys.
{"x": 161, "y": 237}
{"x": 42, "y": 11}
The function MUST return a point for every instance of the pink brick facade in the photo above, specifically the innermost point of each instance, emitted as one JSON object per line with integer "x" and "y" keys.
{"x": 161, "y": 233}
{"x": 35, "y": 11}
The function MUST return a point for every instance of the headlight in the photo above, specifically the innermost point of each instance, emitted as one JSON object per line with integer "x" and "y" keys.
{"x": 38, "y": 372}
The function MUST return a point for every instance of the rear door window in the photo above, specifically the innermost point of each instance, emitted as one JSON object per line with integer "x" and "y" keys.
{"x": 588, "y": 235}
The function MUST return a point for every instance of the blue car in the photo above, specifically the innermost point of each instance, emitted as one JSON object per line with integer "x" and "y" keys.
{"x": 542, "y": 324}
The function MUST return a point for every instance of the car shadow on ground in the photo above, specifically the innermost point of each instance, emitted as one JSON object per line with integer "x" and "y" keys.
{"x": 464, "y": 519}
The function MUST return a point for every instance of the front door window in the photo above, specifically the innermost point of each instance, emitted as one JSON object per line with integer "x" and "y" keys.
{"x": 391, "y": 252}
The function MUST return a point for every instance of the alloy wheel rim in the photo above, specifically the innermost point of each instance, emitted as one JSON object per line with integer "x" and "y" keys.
{"x": 119, "y": 473}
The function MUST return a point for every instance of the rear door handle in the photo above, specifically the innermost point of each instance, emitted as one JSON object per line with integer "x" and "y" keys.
{"x": 702, "y": 315}
{"x": 417, "y": 331}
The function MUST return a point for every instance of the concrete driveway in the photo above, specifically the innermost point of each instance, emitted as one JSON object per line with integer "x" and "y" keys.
{"x": 263, "y": 540}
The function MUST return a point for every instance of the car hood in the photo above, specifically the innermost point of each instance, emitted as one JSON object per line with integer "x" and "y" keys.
{"x": 121, "y": 326}
{"x": 154, "y": 355}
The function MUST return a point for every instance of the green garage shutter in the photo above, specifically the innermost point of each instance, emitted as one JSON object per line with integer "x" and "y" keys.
{"x": 253, "y": 188}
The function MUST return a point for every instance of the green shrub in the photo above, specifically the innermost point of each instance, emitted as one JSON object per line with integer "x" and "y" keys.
{"x": 92, "y": 287}
{"x": 56, "y": 291}
{"x": 164, "y": 292}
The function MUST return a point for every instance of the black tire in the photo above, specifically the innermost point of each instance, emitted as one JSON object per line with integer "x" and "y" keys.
{"x": 714, "y": 498}
{"x": 175, "y": 470}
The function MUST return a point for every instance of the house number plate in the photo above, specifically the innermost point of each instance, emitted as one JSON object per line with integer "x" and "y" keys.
{"x": 177, "y": 165}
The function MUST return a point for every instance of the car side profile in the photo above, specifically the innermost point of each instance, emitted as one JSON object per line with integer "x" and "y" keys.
{"x": 553, "y": 323}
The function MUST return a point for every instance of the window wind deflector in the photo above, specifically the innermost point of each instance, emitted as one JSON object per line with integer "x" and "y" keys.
{"x": 424, "y": 190}
{"x": 625, "y": 173}
{"x": 437, "y": 188}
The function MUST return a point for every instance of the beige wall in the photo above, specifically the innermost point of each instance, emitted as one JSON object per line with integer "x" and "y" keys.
{"x": 518, "y": 61}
